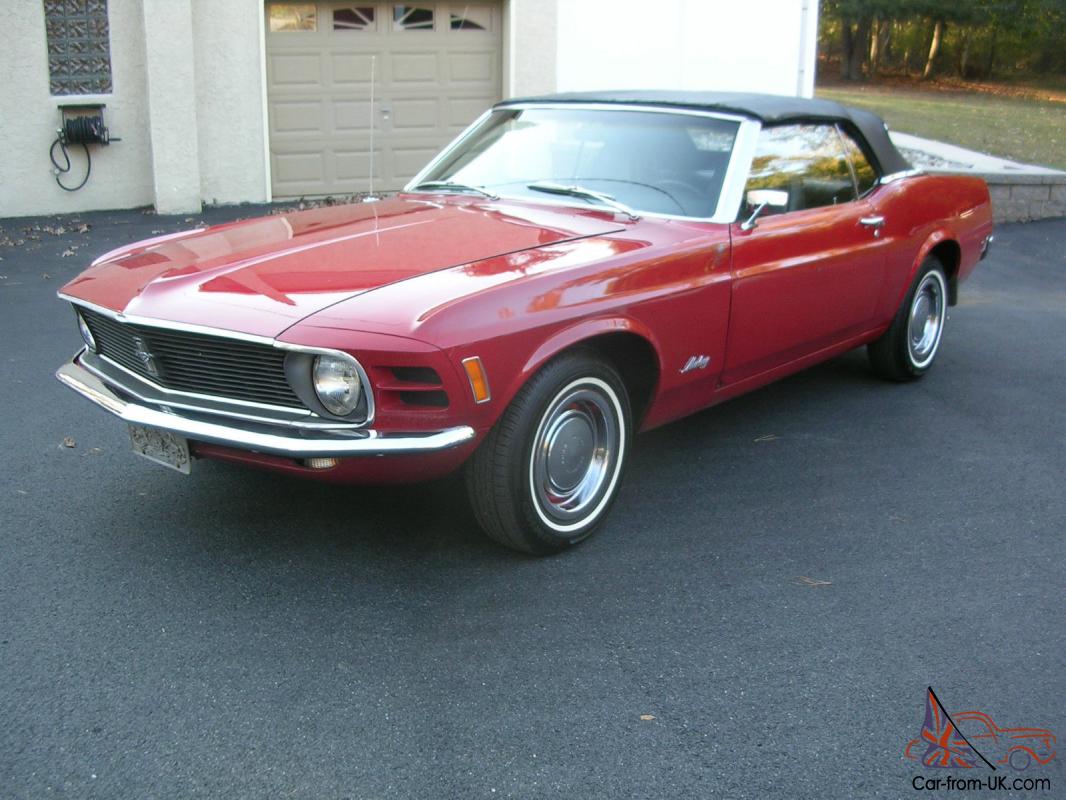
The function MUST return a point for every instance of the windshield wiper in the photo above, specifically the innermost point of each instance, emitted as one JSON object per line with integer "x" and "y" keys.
{"x": 451, "y": 186}
{"x": 588, "y": 194}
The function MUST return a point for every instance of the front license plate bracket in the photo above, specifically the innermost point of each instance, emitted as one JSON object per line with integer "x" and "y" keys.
{"x": 162, "y": 447}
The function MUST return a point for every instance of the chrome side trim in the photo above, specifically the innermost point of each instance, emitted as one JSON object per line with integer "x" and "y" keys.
{"x": 732, "y": 185}
{"x": 896, "y": 176}
{"x": 310, "y": 445}
{"x": 133, "y": 319}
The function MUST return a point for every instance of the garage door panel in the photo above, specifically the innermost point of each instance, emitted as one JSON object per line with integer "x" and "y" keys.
{"x": 407, "y": 161}
{"x": 294, "y": 116}
{"x": 461, "y": 111}
{"x": 415, "y": 68}
{"x": 351, "y": 116}
{"x": 428, "y": 85}
{"x": 291, "y": 70}
{"x": 348, "y": 69}
{"x": 416, "y": 115}
{"x": 300, "y": 167}
{"x": 353, "y": 165}
{"x": 472, "y": 67}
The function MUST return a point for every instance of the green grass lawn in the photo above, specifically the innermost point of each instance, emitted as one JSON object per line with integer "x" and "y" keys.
{"x": 1016, "y": 128}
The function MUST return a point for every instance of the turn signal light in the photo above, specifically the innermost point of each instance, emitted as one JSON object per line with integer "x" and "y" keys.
{"x": 479, "y": 381}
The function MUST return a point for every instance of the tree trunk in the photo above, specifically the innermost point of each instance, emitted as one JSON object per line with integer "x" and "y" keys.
{"x": 934, "y": 47}
{"x": 964, "y": 54}
{"x": 875, "y": 46}
{"x": 859, "y": 49}
{"x": 991, "y": 56}
{"x": 847, "y": 45}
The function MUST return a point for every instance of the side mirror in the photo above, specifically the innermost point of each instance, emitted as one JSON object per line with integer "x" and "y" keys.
{"x": 759, "y": 199}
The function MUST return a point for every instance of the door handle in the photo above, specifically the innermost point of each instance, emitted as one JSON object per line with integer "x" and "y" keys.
{"x": 872, "y": 222}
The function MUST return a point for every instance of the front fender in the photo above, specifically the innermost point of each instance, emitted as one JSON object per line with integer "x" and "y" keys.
{"x": 586, "y": 329}
{"x": 570, "y": 336}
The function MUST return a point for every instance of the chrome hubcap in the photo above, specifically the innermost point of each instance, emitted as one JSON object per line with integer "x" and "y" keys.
{"x": 926, "y": 319}
{"x": 576, "y": 454}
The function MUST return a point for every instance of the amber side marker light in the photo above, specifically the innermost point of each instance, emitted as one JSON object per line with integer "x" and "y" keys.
{"x": 479, "y": 381}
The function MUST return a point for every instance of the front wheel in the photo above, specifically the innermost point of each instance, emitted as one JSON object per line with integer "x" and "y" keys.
{"x": 549, "y": 470}
{"x": 907, "y": 349}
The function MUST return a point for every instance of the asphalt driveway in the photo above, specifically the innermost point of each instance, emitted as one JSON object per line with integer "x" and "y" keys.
{"x": 780, "y": 581}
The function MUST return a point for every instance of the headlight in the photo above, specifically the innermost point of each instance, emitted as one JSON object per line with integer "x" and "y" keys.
{"x": 336, "y": 381}
{"x": 86, "y": 334}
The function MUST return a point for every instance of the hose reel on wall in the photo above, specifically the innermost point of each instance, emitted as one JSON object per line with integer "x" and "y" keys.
{"x": 81, "y": 125}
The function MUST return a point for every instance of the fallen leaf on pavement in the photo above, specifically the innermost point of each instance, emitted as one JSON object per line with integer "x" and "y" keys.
{"x": 803, "y": 580}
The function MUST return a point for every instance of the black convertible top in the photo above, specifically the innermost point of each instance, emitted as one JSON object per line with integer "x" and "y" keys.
{"x": 769, "y": 109}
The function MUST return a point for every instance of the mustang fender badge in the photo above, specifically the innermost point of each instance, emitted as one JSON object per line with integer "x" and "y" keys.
{"x": 695, "y": 362}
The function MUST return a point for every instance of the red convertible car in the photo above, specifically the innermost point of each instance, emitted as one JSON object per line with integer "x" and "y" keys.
{"x": 571, "y": 270}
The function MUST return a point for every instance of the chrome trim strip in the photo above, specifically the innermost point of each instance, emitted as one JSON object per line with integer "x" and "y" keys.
{"x": 296, "y": 422}
{"x": 350, "y": 443}
{"x": 133, "y": 319}
{"x": 732, "y": 185}
{"x": 896, "y": 176}
{"x": 304, "y": 412}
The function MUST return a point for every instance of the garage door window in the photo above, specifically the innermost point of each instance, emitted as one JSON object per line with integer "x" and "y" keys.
{"x": 355, "y": 18}
{"x": 412, "y": 18}
{"x": 478, "y": 18}
{"x": 288, "y": 17}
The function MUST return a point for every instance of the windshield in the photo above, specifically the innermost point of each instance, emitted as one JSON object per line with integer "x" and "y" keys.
{"x": 659, "y": 163}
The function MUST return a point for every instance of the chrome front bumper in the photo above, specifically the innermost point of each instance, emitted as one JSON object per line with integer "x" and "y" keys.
{"x": 299, "y": 443}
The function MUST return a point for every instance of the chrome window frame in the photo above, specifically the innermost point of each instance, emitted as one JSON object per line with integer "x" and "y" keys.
{"x": 736, "y": 175}
{"x": 314, "y": 420}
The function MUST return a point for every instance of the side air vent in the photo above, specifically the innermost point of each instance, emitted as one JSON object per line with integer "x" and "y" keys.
{"x": 410, "y": 387}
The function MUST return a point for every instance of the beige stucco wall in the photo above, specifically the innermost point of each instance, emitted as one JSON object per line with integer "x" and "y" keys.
{"x": 530, "y": 45}
{"x": 172, "y": 120}
{"x": 201, "y": 92}
{"x": 121, "y": 173}
{"x": 230, "y": 100}
{"x": 191, "y": 118}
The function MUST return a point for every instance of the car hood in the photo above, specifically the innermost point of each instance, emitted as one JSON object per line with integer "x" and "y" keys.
{"x": 263, "y": 275}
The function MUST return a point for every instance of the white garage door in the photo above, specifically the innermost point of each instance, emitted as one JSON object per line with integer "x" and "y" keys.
{"x": 436, "y": 67}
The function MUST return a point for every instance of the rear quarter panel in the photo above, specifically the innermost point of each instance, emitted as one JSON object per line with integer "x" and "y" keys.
{"x": 922, "y": 212}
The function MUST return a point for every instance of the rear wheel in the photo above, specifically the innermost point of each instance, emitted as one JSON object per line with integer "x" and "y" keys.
{"x": 546, "y": 475}
{"x": 907, "y": 349}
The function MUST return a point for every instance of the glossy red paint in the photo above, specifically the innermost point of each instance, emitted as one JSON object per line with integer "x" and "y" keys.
{"x": 263, "y": 275}
{"x": 426, "y": 281}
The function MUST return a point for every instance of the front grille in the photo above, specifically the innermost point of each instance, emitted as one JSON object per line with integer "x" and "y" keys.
{"x": 195, "y": 362}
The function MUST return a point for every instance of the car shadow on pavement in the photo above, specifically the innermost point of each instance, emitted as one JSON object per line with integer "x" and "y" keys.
{"x": 255, "y": 512}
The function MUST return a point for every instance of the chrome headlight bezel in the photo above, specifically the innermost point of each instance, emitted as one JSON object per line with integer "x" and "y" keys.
{"x": 338, "y": 382}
